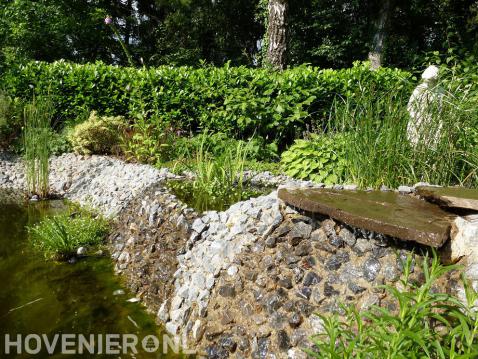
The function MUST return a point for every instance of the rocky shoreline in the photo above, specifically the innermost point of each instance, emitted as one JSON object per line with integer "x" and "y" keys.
{"x": 241, "y": 283}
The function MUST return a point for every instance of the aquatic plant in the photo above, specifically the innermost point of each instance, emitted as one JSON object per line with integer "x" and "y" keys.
{"x": 59, "y": 236}
{"x": 218, "y": 180}
{"x": 36, "y": 137}
{"x": 426, "y": 323}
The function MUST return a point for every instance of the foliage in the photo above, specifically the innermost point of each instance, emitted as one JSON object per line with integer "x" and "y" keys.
{"x": 320, "y": 159}
{"x": 59, "y": 236}
{"x": 98, "y": 135}
{"x": 238, "y": 101}
{"x": 36, "y": 149}
{"x": 10, "y": 118}
{"x": 218, "y": 181}
{"x": 378, "y": 151}
{"x": 427, "y": 324}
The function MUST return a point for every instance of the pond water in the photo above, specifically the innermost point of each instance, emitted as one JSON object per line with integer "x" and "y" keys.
{"x": 202, "y": 201}
{"x": 42, "y": 297}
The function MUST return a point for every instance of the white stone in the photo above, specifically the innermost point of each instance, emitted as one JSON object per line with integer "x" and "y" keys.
{"x": 464, "y": 239}
{"x": 295, "y": 353}
{"x": 232, "y": 270}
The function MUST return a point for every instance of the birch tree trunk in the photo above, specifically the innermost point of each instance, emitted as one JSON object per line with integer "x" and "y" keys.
{"x": 375, "y": 56}
{"x": 277, "y": 33}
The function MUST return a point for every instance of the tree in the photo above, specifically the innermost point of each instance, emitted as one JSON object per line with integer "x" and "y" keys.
{"x": 277, "y": 33}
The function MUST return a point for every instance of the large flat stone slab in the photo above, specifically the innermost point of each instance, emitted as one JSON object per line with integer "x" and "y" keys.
{"x": 452, "y": 197}
{"x": 389, "y": 213}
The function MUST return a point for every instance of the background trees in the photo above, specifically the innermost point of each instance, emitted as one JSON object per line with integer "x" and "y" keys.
{"x": 327, "y": 33}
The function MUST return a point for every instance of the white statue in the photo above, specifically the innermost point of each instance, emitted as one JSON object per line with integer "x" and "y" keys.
{"x": 423, "y": 105}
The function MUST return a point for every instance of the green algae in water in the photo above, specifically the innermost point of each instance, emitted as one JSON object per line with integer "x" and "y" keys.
{"x": 64, "y": 298}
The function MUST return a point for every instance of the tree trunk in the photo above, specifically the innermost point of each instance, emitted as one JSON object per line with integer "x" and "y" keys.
{"x": 277, "y": 33}
{"x": 375, "y": 56}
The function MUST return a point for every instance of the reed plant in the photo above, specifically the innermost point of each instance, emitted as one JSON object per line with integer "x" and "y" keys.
{"x": 36, "y": 136}
{"x": 379, "y": 152}
{"x": 426, "y": 324}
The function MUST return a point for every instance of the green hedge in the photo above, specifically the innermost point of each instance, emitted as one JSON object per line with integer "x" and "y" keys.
{"x": 236, "y": 100}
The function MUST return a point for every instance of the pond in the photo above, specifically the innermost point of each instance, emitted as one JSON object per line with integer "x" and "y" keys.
{"x": 44, "y": 297}
{"x": 218, "y": 200}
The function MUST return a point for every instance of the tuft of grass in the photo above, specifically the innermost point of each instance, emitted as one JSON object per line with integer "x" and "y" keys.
{"x": 36, "y": 137}
{"x": 427, "y": 324}
{"x": 59, "y": 236}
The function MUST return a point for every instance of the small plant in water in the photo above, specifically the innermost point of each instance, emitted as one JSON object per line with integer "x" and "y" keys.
{"x": 36, "y": 136}
{"x": 59, "y": 236}
{"x": 426, "y": 323}
{"x": 218, "y": 181}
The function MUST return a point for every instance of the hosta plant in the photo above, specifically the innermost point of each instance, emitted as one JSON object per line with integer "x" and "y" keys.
{"x": 320, "y": 159}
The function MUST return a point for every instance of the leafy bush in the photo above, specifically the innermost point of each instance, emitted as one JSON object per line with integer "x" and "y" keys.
{"x": 61, "y": 235}
{"x": 426, "y": 324}
{"x": 98, "y": 135}
{"x": 320, "y": 159}
{"x": 10, "y": 118}
{"x": 238, "y": 101}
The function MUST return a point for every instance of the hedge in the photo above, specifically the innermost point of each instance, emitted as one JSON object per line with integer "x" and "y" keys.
{"x": 236, "y": 100}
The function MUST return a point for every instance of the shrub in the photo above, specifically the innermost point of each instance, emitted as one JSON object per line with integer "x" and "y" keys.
{"x": 61, "y": 235}
{"x": 97, "y": 135}
{"x": 426, "y": 323}
{"x": 238, "y": 101}
{"x": 320, "y": 159}
{"x": 10, "y": 118}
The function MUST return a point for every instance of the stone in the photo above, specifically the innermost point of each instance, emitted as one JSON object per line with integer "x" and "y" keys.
{"x": 311, "y": 278}
{"x": 283, "y": 341}
{"x": 329, "y": 290}
{"x": 232, "y": 270}
{"x": 81, "y": 251}
{"x": 464, "y": 239}
{"x": 199, "y": 226}
{"x": 419, "y": 221}
{"x": 262, "y": 349}
{"x": 227, "y": 291}
{"x": 295, "y": 320}
{"x": 216, "y": 352}
{"x": 319, "y": 235}
{"x": 355, "y": 288}
{"x": 371, "y": 268}
{"x": 198, "y": 330}
{"x": 285, "y": 282}
{"x": 405, "y": 189}
{"x": 228, "y": 343}
{"x": 303, "y": 249}
{"x": 304, "y": 292}
{"x": 317, "y": 324}
{"x": 450, "y": 197}
{"x": 299, "y": 232}
{"x": 350, "y": 187}
{"x": 333, "y": 263}
{"x": 295, "y": 353}
{"x": 347, "y": 236}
